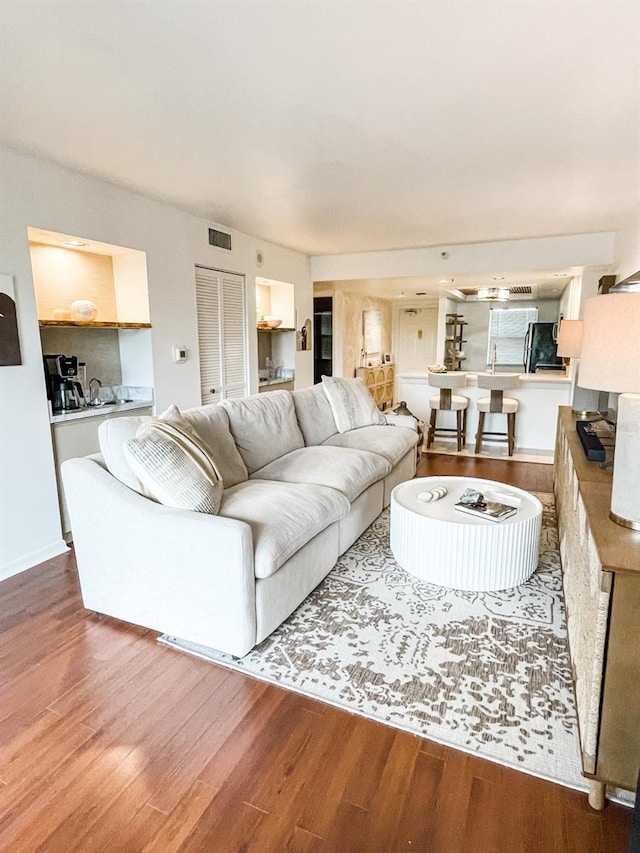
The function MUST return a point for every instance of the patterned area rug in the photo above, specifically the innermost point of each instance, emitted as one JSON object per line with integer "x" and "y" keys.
{"x": 483, "y": 672}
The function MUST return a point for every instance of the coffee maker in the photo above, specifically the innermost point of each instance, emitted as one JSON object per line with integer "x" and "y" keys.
{"x": 63, "y": 389}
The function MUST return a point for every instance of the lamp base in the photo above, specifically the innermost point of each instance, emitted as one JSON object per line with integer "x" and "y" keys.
{"x": 624, "y": 522}
{"x": 625, "y": 506}
{"x": 587, "y": 403}
{"x": 583, "y": 415}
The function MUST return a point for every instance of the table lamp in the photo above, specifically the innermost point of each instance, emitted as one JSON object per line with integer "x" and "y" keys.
{"x": 585, "y": 402}
{"x": 610, "y": 361}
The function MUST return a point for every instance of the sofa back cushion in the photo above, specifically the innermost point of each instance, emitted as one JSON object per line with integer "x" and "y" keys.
{"x": 314, "y": 414}
{"x": 351, "y": 403}
{"x": 175, "y": 466}
{"x": 112, "y": 434}
{"x": 211, "y": 422}
{"x": 264, "y": 427}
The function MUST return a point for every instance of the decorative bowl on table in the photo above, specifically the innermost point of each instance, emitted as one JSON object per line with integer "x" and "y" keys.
{"x": 272, "y": 322}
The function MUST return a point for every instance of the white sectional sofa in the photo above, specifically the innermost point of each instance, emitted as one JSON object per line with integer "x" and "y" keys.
{"x": 297, "y": 493}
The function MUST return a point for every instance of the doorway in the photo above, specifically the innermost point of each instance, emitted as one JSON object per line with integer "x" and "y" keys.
{"x": 323, "y": 334}
{"x": 416, "y": 341}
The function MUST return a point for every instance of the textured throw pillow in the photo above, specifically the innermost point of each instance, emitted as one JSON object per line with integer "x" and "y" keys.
{"x": 175, "y": 466}
{"x": 351, "y": 403}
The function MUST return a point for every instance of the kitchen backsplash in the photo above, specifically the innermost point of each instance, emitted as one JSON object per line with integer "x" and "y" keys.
{"x": 98, "y": 348}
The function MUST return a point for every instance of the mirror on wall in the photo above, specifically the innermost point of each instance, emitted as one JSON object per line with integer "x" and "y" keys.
{"x": 371, "y": 337}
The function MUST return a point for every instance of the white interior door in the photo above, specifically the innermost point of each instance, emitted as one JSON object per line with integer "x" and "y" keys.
{"x": 417, "y": 335}
{"x": 222, "y": 334}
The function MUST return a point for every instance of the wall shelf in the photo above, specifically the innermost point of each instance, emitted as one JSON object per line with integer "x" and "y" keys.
{"x": 453, "y": 357}
{"x": 94, "y": 324}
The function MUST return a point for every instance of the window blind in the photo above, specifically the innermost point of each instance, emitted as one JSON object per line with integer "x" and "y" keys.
{"x": 507, "y": 330}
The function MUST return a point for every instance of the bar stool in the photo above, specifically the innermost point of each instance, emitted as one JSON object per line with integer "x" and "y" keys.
{"x": 446, "y": 401}
{"x": 497, "y": 403}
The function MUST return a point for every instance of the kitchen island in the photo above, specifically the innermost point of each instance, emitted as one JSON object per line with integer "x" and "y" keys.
{"x": 539, "y": 395}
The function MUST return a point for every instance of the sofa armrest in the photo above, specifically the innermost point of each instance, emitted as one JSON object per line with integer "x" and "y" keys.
{"x": 407, "y": 421}
{"x": 184, "y": 573}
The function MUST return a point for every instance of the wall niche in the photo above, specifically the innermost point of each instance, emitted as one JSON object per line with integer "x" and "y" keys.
{"x": 66, "y": 269}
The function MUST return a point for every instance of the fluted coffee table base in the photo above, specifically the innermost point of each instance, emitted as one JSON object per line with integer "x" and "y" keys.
{"x": 441, "y": 545}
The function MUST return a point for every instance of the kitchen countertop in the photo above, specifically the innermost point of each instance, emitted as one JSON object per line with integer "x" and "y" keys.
{"x": 280, "y": 381}
{"x": 96, "y": 411}
{"x": 544, "y": 377}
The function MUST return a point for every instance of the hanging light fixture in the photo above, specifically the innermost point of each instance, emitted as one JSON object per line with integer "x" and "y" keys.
{"x": 493, "y": 294}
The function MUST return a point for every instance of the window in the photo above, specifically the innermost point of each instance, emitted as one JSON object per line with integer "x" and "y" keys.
{"x": 507, "y": 330}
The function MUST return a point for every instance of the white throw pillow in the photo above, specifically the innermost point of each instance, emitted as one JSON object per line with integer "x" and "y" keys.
{"x": 351, "y": 403}
{"x": 175, "y": 466}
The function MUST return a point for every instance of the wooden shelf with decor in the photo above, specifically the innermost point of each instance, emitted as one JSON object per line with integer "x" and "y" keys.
{"x": 453, "y": 354}
{"x": 379, "y": 380}
{"x": 94, "y": 324}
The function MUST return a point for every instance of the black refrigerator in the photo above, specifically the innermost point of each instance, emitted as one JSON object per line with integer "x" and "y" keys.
{"x": 540, "y": 348}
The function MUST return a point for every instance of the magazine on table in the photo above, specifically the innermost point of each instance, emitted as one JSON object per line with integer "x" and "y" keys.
{"x": 475, "y": 503}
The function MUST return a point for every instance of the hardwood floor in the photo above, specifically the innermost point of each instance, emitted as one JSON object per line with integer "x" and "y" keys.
{"x": 535, "y": 477}
{"x": 109, "y": 741}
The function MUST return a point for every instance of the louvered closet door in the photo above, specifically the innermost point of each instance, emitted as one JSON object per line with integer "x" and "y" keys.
{"x": 233, "y": 335}
{"x": 222, "y": 336}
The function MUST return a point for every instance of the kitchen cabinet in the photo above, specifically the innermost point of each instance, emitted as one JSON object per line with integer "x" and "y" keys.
{"x": 454, "y": 340}
{"x": 380, "y": 382}
{"x": 601, "y": 579}
{"x": 78, "y": 436}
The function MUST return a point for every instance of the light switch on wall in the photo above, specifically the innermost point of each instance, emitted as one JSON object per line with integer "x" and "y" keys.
{"x": 179, "y": 354}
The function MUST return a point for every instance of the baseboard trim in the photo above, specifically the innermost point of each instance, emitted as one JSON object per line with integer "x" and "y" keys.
{"x": 34, "y": 558}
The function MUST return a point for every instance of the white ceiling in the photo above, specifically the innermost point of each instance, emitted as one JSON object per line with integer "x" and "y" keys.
{"x": 334, "y": 126}
{"x": 543, "y": 285}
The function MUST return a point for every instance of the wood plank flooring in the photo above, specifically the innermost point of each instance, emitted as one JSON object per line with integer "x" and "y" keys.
{"x": 110, "y": 742}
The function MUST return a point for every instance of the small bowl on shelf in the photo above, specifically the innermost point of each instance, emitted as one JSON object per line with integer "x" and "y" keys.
{"x": 272, "y": 322}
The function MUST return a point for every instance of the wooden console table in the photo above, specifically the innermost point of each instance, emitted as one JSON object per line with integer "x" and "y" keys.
{"x": 379, "y": 380}
{"x": 601, "y": 578}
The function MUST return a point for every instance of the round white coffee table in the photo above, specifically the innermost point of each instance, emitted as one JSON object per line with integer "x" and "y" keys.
{"x": 441, "y": 545}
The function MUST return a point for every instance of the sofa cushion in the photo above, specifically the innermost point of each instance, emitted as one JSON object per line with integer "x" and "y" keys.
{"x": 211, "y": 422}
{"x": 314, "y": 414}
{"x": 264, "y": 427}
{"x": 112, "y": 434}
{"x": 346, "y": 470}
{"x": 175, "y": 466}
{"x": 390, "y": 442}
{"x": 351, "y": 403}
{"x": 283, "y": 517}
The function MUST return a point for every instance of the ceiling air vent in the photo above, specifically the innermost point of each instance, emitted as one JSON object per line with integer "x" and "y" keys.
{"x": 219, "y": 239}
{"x": 521, "y": 290}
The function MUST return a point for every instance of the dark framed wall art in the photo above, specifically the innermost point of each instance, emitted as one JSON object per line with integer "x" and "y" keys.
{"x": 9, "y": 340}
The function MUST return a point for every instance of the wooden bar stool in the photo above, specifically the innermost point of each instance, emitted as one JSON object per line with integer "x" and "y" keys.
{"x": 497, "y": 403}
{"x": 445, "y": 401}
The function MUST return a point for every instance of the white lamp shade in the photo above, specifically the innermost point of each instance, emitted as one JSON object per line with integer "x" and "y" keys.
{"x": 610, "y": 355}
{"x": 570, "y": 338}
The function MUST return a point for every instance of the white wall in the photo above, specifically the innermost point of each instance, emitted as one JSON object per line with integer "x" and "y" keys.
{"x": 544, "y": 253}
{"x": 628, "y": 248}
{"x": 36, "y": 193}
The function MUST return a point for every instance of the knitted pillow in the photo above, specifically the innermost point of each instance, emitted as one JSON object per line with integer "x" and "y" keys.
{"x": 175, "y": 466}
{"x": 351, "y": 403}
